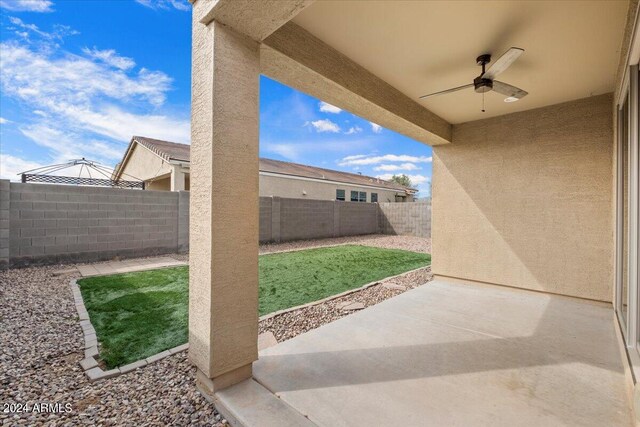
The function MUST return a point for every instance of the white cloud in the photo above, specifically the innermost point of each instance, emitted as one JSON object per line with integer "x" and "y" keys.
{"x": 354, "y": 157}
{"x": 325, "y": 125}
{"x": 86, "y": 106}
{"x": 401, "y": 167}
{"x": 110, "y": 57}
{"x": 375, "y": 128}
{"x": 416, "y": 180}
{"x": 59, "y": 31}
{"x": 288, "y": 151}
{"x": 35, "y": 76}
{"x": 299, "y": 150}
{"x": 166, "y": 4}
{"x": 116, "y": 123}
{"x": 353, "y": 129}
{"x": 3, "y": 121}
{"x": 373, "y": 160}
{"x": 11, "y": 166}
{"x": 27, "y": 5}
{"x": 328, "y": 108}
{"x": 74, "y": 145}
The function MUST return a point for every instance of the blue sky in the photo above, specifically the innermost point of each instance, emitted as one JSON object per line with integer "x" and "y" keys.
{"x": 79, "y": 78}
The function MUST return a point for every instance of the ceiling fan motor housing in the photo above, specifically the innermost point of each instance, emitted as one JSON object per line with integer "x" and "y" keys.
{"x": 482, "y": 85}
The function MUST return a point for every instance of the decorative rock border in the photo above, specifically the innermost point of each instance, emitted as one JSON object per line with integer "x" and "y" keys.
{"x": 89, "y": 364}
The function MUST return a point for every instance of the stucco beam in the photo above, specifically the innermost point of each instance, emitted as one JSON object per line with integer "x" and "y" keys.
{"x": 256, "y": 19}
{"x": 223, "y": 278}
{"x": 295, "y": 57}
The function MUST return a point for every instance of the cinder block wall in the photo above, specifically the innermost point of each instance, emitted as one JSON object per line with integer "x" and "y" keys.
{"x": 406, "y": 219}
{"x": 183, "y": 221}
{"x": 306, "y": 219}
{"x": 57, "y": 223}
{"x": 265, "y": 218}
{"x": 357, "y": 218}
{"x": 4, "y": 223}
{"x": 283, "y": 219}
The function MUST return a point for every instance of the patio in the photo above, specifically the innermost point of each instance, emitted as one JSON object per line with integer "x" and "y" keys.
{"x": 444, "y": 354}
{"x": 539, "y": 197}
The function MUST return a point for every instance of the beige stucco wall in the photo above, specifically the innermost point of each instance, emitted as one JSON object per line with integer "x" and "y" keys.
{"x": 295, "y": 188}
{"x": 525, "y": 200}
{"x": 144, "y": 164}
{"x": 159, "y": 184}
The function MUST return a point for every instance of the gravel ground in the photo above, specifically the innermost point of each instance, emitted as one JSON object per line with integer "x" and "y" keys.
{"x": 41, "y": 345}
{"x": 288, "y": 325}
{"x": 40, "y": 348}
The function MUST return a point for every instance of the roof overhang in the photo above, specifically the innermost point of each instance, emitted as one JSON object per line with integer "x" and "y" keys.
{"x": 571, "y": 48}
{"x": 297, "y": 58}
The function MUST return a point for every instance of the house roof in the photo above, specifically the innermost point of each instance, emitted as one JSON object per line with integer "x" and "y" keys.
{"x": 181, "y": 152}
{"x": 296, "y": 169}
{"x": 165, "y": 149}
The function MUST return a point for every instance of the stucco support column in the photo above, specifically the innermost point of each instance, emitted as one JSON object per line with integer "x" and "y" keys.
{"x": 223, "y": 282}
{"x": 177, "y": 179}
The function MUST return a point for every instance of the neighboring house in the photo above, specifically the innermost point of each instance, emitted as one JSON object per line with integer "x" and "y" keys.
{"x": 164, "y": 165}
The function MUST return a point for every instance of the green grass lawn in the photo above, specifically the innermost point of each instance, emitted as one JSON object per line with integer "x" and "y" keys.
{"x": 140, "y": 314}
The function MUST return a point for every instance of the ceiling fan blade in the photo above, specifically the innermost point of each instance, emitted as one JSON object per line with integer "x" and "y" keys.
{"x": 508, "y": 90}
{"x": 503, "y": 63}
{"x": 455, "y": 89}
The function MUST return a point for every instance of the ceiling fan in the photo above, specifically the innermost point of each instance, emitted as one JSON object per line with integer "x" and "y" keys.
{"x": 486, "y": 82}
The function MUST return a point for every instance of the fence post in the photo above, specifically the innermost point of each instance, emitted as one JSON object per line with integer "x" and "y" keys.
{"x": 275, "y": 219}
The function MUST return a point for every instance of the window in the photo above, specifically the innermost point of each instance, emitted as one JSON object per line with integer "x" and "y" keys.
{"x": 340, "y": 195}
{"x": 623, "y": 163}
{"x": 354, "y": 196}
{"x": 374, "y": 197}
{"x": 363, "y": 196}
{"x": 627, "y": 217}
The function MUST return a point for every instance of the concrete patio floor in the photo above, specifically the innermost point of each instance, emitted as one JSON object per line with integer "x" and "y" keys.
{"x": 444, "y": 354}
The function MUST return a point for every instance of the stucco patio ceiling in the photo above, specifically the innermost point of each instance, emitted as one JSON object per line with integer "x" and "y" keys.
{"x": 571, "y": 48}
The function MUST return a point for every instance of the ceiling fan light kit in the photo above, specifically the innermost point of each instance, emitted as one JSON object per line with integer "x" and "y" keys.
{"x": 486, "y": 82}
